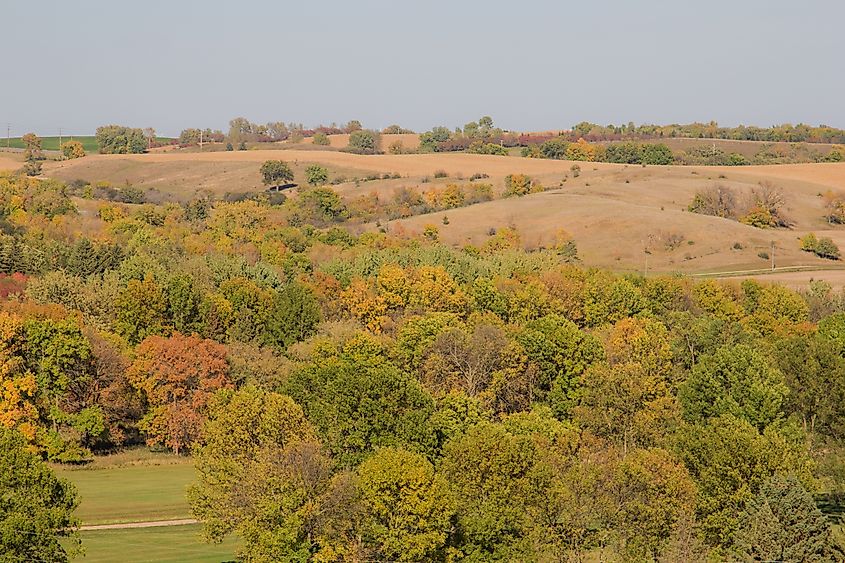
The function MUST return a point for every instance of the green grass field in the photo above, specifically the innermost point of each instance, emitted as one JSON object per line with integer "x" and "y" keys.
{"x": 139, "y": 486}
{"x": 175, "y": 543}
{"x": 133, "y": 493}
{"x": 89, "y": 142}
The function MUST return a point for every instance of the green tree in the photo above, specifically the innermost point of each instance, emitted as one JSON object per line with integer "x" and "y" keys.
{"x": 322, "y": 204}
{"x": 184, "y": 303}
{"x": 490, "y": 473}
{"x": 657, "y": 154}
{"x": 736, "y": 380}
{"x": 276, "y": 172}
{"x": 626, "y": 404}
{"x": 562, "y": 353}
{"x": 408, "y": 505}
{"x": 364, "y": 141}
{"x": 259, "y": 472}
{"x": 729, "y": 460}
{"x": 141, "y": 310}
{"x": 357, "y": 406}
{"x": 782, "y": 523}
{"x": 651, "y": 495}
{"x": 293, "y": 317}
{"x": 815, "y": 375}
{"x": 316, "y": 175}
{"x": 321, "y": 139}
{"x": 36, "y": 511}
{"x": 117, "y": 139}
{"x": 430, "y": 140}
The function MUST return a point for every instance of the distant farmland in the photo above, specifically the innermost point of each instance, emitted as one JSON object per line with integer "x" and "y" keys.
{"x": 89, "y": 142}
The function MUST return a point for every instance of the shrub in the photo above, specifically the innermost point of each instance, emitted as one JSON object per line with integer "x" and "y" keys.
{"x": 229, "y": 147}
{"x": 821, "y": 247}
{"x": 321, "y": 139}
{"x": 765, "y": 207}
{"x": 398, "y": 147}
{"x": 32, "y": 168}
{"x": 479, "y": 147}
{"x": 431, "y": 233}
{"x": 826, "y": 248}
{"x": 73, "y": 149}
{"x": 441, "y": 174}
{"x": 316, "y": 175}
{"x": 576, "y": 170}
{"x": 518, "y": 185}
{"x": 718, "y": 201}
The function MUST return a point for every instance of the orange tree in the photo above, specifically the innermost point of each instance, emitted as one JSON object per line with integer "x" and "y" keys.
{"x": 178, "y": 375}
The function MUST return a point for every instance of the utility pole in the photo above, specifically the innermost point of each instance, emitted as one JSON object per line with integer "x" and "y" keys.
{"x": 8, "y": 135}
{"x": 200, "y": 139}
{"x": 645, "y": 257}
{"x": 61, "y": 152}
{"x": 773, "y": 256}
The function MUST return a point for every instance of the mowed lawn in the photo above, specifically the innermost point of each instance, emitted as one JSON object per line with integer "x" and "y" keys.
{"x": 174, "y": 543}
{"x": 133, "y": 493}
{"x": 140, "y": 486}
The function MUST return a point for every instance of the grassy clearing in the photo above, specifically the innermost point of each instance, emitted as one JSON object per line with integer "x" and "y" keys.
{"x": 136, "y": 486}
{"x": 132, "y": 487}
{"x": 168, "y": 544}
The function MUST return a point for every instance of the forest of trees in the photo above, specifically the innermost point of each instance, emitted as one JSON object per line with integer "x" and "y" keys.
{"x": 386, "y": 397}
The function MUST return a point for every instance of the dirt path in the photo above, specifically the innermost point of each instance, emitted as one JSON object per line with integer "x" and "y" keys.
{"x": 151, "y": 524}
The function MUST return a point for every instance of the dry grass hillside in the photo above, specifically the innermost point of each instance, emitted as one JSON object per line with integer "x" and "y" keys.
{"x": 622, "y": 217}
{"x": 408, "y": 140}
{"x": 10, "y": 161}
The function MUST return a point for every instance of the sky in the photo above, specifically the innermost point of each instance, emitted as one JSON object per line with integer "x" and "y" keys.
{"x": 530, "y": 64}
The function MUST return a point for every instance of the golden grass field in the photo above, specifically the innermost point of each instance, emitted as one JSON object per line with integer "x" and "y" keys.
{"x": 622, "y": 217}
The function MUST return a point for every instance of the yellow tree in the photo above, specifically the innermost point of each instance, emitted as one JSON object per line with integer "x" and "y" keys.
{"x": 17, "y": 386}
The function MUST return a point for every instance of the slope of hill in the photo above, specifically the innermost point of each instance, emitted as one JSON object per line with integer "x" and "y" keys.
{"x": 622, "y": 217}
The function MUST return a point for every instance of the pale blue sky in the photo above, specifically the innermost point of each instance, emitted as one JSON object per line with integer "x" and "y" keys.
{"x": 172, "y": 64}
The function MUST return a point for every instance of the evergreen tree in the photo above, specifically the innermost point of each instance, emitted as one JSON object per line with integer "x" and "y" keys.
{"x": 782, "y": 523}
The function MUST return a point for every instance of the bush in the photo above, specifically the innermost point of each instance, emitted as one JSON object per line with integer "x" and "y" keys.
{"x": 765, "y": 208}
{"x": 229, "y": 147}
{"x": 821, "y": 247}
{"x": 321, "y": 139}
{"x": 718, "y": 201}
{"x": 441, "y": 174}
{"x": 520, "y": 185}
{"x": 32, "y": 168}
{"x": 316, "y": 175}
{"x": 73, "y": 149}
